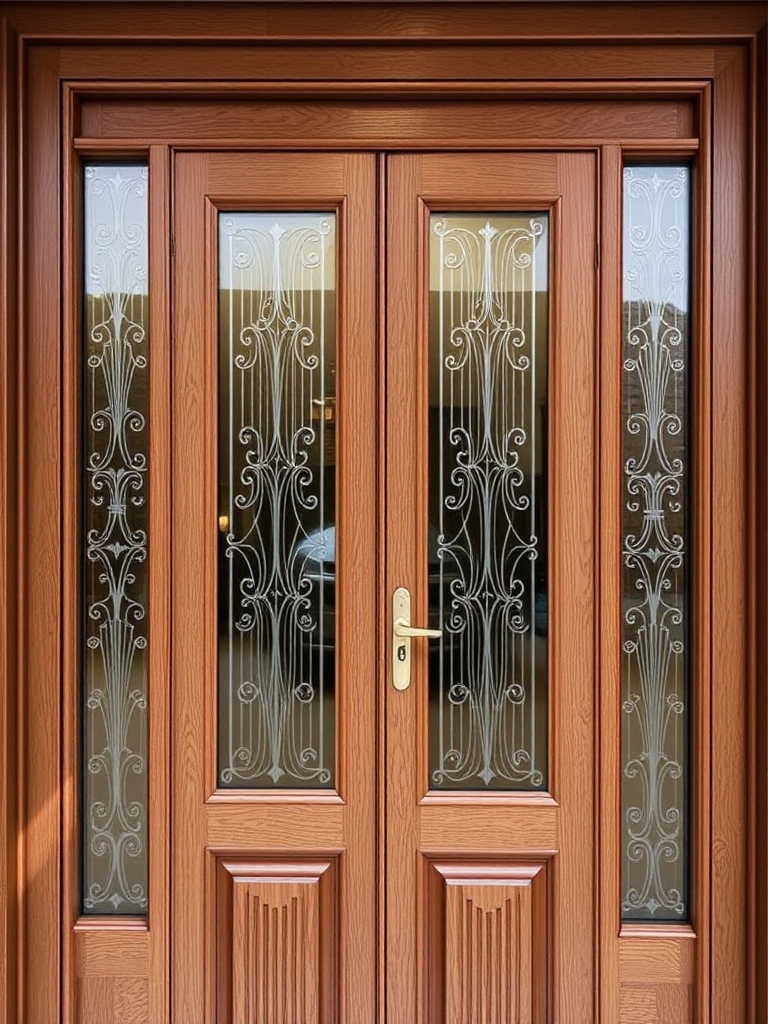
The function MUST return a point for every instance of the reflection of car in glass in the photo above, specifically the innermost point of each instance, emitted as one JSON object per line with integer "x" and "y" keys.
{"x": 316, "y": 554}
{"x": 316, "y": 557}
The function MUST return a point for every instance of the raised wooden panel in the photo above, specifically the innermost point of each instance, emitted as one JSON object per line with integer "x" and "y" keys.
{"x": 487, "y": 931}
{"x": 277, "y": 942}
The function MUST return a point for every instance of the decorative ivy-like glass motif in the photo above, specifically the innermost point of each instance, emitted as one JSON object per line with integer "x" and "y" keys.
{"x": 277, "y": 535}
{"x": 488, "y": 501}
{"x": 655, "y": 528}
{"x": 115, "y": 541}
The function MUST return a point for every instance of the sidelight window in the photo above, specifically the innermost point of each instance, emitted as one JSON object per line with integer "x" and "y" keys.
{"x": 114, "y": 540}
{"x": 655, "y": 543}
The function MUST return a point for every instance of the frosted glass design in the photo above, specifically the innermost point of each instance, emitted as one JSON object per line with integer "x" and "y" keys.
{"x": 487, "y": 531}
{"x": 655, "y": 529}
{"x": 115, "y": 541}
{"x": 277, "y": 473}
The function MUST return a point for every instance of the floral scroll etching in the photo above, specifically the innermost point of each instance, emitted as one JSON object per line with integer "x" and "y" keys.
{"x": 654, "y": 677}
{"x": 277, "y": 541}
{"x": 487, "y": 532}
{"x": 115, "y": 548}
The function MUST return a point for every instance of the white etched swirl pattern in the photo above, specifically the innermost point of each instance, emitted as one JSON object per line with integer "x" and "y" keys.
{"x": 488, "y": 373}
{"x": 115, "y": 393}
{"x": 278, "y": 541}
{"x": 654, "y": 677}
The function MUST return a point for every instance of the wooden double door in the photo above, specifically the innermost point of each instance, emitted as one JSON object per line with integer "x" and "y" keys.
{"x": 384, "y": 376}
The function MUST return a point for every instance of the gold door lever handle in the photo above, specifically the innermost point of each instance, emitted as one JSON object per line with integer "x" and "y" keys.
{"x": 403, "y": 629}
{"x": 402, "y": 634}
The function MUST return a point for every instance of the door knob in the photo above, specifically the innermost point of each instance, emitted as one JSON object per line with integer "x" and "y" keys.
{"x": 402, "y": 634}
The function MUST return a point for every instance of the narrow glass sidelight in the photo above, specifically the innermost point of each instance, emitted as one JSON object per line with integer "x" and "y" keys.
{"x": 114, "y": 541}
{"x": 487, "y": 529}
{"x": 656, "y": 525}
{"x": 277, "y": 495}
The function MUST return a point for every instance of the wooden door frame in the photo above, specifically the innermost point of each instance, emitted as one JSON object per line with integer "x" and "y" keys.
{"x": 714, "y": 53}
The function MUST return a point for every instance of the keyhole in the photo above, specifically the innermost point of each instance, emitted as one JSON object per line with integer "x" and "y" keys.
{"x": 401, "y": 652}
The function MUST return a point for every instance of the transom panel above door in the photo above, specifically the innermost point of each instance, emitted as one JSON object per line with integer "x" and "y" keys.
{"x": 383, "y": 428}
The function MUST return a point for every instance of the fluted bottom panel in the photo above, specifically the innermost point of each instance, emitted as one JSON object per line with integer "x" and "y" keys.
{"x": 487, "y": 942}
{"x": 277, "y": 924}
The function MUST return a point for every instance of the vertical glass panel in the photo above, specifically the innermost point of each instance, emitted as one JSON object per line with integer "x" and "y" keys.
{"x": 277, "y": 493}
{"x": 487, "y": 531}
{"x": 115, "y": 541}
{"x": 655, "y": 531}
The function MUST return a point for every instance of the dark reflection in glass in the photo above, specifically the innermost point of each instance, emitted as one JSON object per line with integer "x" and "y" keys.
{"x": 487, "y": 533}
{"x": 655, "y": 843}
{"x": 277, "y": 491}
{"x": 114, "y": 538}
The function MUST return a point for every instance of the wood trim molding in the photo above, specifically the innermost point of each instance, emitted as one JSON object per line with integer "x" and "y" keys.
{"x": 367, "y": 22}
{"x": 10, "y": 418}
{"x": 758, "y": 372}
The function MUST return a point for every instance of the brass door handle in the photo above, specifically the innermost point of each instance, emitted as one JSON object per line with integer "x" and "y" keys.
{"x": 402, "y": 634}
{"x": 403, "y": 629}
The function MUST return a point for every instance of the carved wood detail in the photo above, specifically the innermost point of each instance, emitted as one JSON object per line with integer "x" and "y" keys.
{"x": 277, "y": 925}
{"x": 487, "y": 936}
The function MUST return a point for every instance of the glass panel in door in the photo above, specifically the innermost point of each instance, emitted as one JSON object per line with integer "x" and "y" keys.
{"x": 487, "y": 531}
{"x": 277, "y": 497}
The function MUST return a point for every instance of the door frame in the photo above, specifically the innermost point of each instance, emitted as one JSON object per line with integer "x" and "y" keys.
{"x": 75, "y": 66}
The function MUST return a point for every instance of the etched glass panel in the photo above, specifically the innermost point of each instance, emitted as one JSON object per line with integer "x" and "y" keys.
{"x": 115, "y": 541}
{"x": 487, "y": 530}
{"x": 277, "y": 491}
{"x": 655, "y": 531}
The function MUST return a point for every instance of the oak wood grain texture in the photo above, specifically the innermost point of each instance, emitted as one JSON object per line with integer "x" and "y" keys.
{"x": 278, "y": 923}
{"x": 759, "y": 772}
{"x": 39, "y": 521}
{"x": 573, "y": 527}
{"x": 655, "y": 1004}
{"x": 565, "y": 184}
{"x": 112, "y": 999}
{"x": 9, "y": 550}
{"x": 460, "y": 822}
{"x": 278, "y": 824}
{"x": 113, "y": 952}
{"x": 276, "y": 182}
{"x": 381, "y": 579}
{"x": 160, "y": 575}
{"x": 658, "y": 975}
{"x": 728, "y": 748}
{"x": 369, "y": 122}
{"x": 657, "y": 959}
{"x": 411, "y": 62}
{"x": 396, "y": 21}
